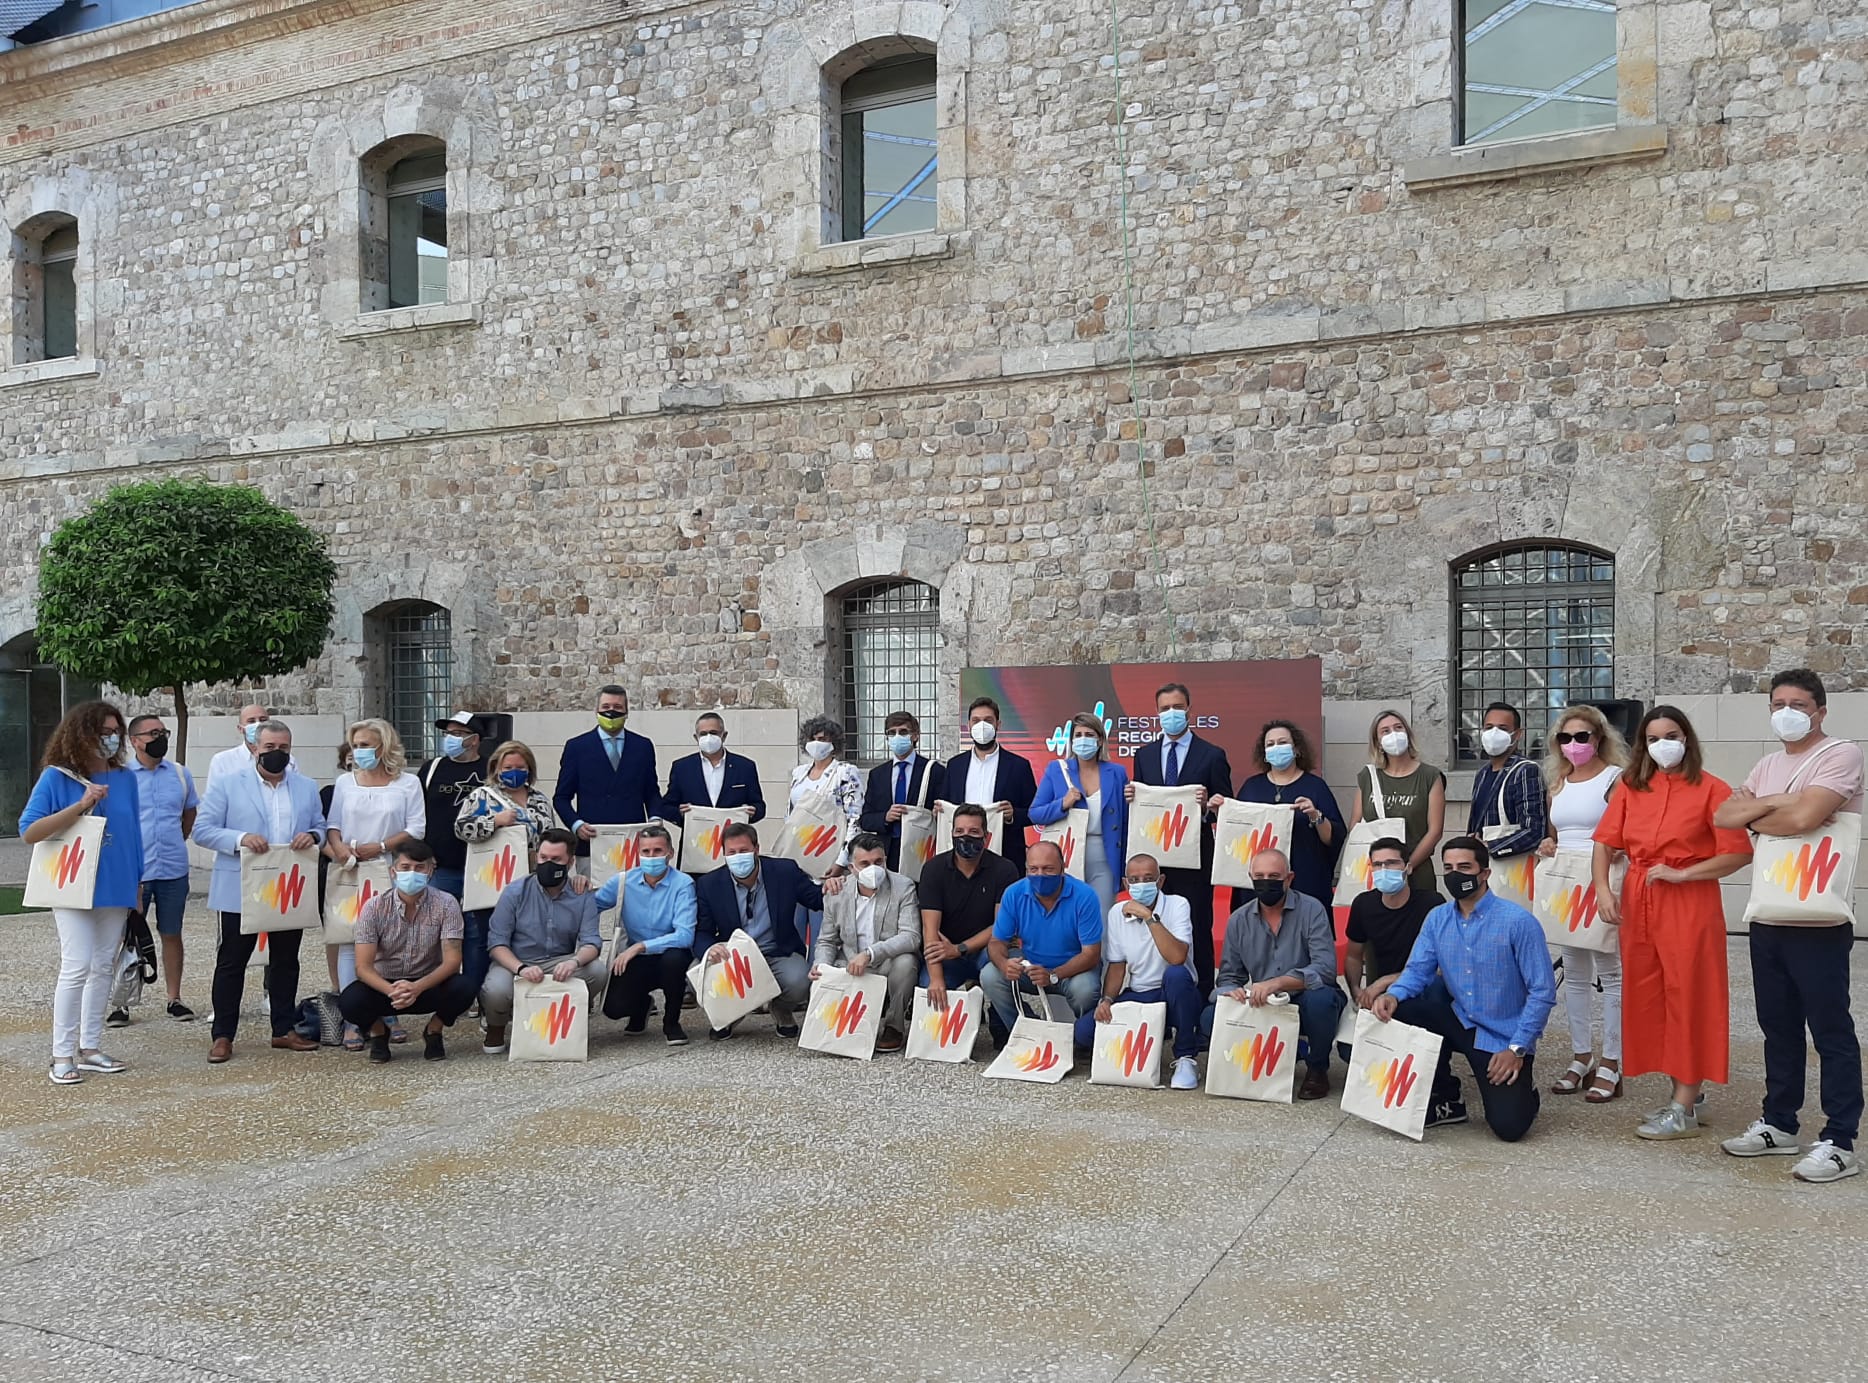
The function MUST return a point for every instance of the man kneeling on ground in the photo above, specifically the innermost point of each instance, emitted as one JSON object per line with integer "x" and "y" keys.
{"x": 408, "y": 957}
{"x": 540, "y": 927}
{"x": 875, "y": 926}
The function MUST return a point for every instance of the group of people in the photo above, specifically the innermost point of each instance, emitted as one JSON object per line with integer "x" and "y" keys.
{"x": 1658, "y": 832}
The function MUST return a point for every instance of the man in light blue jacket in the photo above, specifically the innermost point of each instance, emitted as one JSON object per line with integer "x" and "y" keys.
{"x": 268, "y": 805}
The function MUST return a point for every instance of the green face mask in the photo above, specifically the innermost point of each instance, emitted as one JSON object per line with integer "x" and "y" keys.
{"x": 612, "y": 723}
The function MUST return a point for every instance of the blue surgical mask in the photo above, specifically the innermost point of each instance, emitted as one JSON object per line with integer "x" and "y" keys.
{"x": 901, "y": 746}
{"x": 742, "y": 864}
{"x": 410, "y": 882}
{"x": 1174, "y": 723}
{"x": 1145, "y": 894}
{"x": 363, "y": 757}
{"x": 654, "y": 866}
{"x": 515, "y": 777}
{"x": 451, "y": 746}
{"x": 111, "y": 744}
{"x": 1046, "y": 885}
{"x": 252, "y": 733}
{"x": 1085, "y": 746}
{"x": 1280, "y": 755}
{"x": 1389, "y": 880}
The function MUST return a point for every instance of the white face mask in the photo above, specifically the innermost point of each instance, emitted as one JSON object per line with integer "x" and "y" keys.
{"x": 710, "y": 744}
{"x": 1790, "y": 725}
{"x": 871, "y": 875}
{"x": 1494, "y": 740}
{"x": 1666, "y": 753}
{"x": 984, "y": 733}
{"x": 819, "y": 750}
{"x": 1394, "y": 743}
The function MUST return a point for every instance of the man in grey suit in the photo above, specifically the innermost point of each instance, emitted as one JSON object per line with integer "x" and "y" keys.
{"x": 874, "y": 926}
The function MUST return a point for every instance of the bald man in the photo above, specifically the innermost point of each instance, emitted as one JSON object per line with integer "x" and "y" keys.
{"x": 1047, "y": 938}
{"x": 1282, "y": 943}
{"x": 238, "y": 758}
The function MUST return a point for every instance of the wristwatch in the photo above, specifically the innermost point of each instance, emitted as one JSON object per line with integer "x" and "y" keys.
{"x": 1517, "y": 1051}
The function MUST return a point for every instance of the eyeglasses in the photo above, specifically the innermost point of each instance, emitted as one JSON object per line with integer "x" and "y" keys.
{"x": 1577, "y": 737}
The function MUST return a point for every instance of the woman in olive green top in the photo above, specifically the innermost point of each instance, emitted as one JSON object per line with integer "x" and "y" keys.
{"x": 1410, "y": 791}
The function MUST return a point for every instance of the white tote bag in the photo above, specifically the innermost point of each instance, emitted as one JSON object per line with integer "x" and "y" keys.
{"x": 63, "y": 872}
{"x": 844, "y": 1014}
{"x": 702, "y": 847}
{"x": 1565, "y": 903}
{"x": 617, "y": 850}
{"x": 1068, "y": 835}
{"x": 550, "y": 1021}
{"x": 1165, "y": 823}
{"x": 1391, "y": 1074}
{"x": 1808, "y": 878}
{"x": 943, "y": 830}
{"x": 1514, "y": 879}
{"x": 1506, "y": 826}
{"x": 1241, "y": 830}
{"x": 813, "y": 834}
{"x": 1253, "y": 1055}
{"x": 278, "y": 890}
{"x": 918, "y": 832}
{"x": 1127, "y": 1049}
{"x": 1352, "y": 871}
{"x": 730, "y": 989}
{"x": 348, "y": 890}
{"x": 494, "y": 863}
{"x": 1038, "y": 1050}
{"x": 948, "y": 1036}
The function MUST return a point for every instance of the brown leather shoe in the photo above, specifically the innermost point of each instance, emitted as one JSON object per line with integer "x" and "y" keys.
{"x": 220, "y": 1050}
{"x": 292, "y": 1042}
{"x": 1316, "y": 1084}
{"x": 889, "y": 1041}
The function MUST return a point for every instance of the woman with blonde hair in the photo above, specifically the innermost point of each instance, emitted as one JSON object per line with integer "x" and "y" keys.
{"x": 374, "y": 808}
{"x": 510, "y": 796}
{"x": 1397, "y": 784}
{"x": 1586, "y": 756}
{"x": 85, "y": 771}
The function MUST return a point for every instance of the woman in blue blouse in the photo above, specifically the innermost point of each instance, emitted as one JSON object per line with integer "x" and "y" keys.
{"x": 1288, "y": 776}
{"x": 1085, "y": 780}
{"x": 85, "y": 773}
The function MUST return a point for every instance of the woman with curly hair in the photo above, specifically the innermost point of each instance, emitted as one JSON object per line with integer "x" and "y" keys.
{"x": 1287, "y": 776}
{"x": 825, "y": 770}
{"x": 85, "y": 771}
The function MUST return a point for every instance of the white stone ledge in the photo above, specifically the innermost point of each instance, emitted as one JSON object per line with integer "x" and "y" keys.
{"x": 427, "y": 317}
{"x": 851, "y": 255}
{"x": 1522, "y": 158}
{"x": 44, "y": 371}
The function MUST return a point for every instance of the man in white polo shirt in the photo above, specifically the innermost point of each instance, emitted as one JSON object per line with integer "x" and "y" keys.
{"x": 1147, "y": 939}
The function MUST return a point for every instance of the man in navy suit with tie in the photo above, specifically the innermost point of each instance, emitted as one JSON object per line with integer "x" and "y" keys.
{"x": 607, "y": 775}
{"x": 898, "y": 782}
{"x": 1181, "y": 759}
{"x": 1004, "y": 777}
{"x": 712, "y": 777}
{"x": 760, "y": 897}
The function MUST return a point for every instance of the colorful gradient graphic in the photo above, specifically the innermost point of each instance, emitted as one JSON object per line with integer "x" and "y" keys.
{"x": 497, "y": 872}
{"x": 1575, "y": 907}
{"x": 1363, "y": 873}
{"x": 1808, "y": 871}
{"x": 1168, "y": 829}
{"x": 62, "y": 868}
{"x": 1519, "y": 874}
{"x": 1251, "y": 842}
{"x": 845, "y": 1016}
{"x": 924, "y": 849}
{"x": 946, "y": 1028}
{"x": 733, "y": 980}
{"x": 712, "y": 841}
{"x": 552, "y": 1023}
{"x": 623, "y": 853}
{"x": 1259, "y": 1057}
{"x": 816, "y": 840}
{"x": 283, "y": 891}
{"x": 1036, "y": 1058}
{"x": 1059, "y": 741}
{"x": 1395, "y": 1079}
{"x": 1130, "y": 1051}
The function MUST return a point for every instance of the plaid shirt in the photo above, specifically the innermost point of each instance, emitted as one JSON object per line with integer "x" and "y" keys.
{"x": 1496, "y": 965}
{"x": 1523, "y": 805}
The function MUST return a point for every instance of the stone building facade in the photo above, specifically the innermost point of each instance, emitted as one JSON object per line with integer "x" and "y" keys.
{"x": 663, "y": 418}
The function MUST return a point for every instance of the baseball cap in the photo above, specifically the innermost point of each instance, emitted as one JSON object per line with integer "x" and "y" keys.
{"x": 466, "y": 718}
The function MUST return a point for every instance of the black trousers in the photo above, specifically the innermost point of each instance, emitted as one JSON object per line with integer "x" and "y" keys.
{"x": 1509, "y": 1109}
{"x": 628, "y": 993}
{"x": 230, "y": 977}
{"x": 1196, "y": 886}
{"x": 1800, "y": 978}
{"x": 448, "y": 1000}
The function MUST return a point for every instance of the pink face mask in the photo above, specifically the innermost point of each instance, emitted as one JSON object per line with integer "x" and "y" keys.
{"x": 1578, "y": 754}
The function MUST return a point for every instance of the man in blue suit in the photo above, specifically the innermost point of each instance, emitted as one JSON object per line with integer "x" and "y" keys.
{"x": 607, "y": 775}
{"x": 713, "y": 777}
{"x": 986, "y": 766}
{"x": 760, "y": 897}
{"x": 1181, "y": 759}
{"x": 904, "y": 779}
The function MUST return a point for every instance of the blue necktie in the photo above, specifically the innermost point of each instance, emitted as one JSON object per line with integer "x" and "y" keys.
{"x": 614, "y": 748}
{"x": 901, "y": 784}
{"x": 1172, "y": 776}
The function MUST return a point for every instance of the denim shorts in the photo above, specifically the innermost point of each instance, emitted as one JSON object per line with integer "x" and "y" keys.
{"x": 165, "y": 900}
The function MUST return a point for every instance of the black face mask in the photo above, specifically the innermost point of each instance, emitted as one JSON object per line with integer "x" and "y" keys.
{"x": 550, "y": 873}
{"x": 1462, "y": 886}
{"x": 275, "y": 761}
{"x": 1269, "y": 892}
{"x": 157, "y": 748}
{"x": 968, "y": 847}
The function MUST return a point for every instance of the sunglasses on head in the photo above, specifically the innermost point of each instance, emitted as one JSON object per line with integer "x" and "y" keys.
{"x": 1576, "y": 737}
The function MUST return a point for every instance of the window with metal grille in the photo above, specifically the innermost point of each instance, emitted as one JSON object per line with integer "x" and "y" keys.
{"x": 890, "y": 164}
{"x": 1534, "y": 625}
{"x": 420, "y": 666}
{"x": 1535, "y": 67}
{"x": 891, "y": 662}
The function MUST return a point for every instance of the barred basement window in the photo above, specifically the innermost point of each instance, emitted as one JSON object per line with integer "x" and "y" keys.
{"x": 419, "y": 658}
{"x": 891, "y": 662}
{"x": 890, "y": 164}
{"x": 1534, "y": 67}
{"x": 1534, "y": 625}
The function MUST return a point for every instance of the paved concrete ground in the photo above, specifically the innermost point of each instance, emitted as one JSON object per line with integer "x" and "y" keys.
{"x": 743, "y": 1211}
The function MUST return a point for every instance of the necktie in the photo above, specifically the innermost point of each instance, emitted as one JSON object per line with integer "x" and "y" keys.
{"x": 901, "y": 784}
{"x": 1172, "y": 776}
{"x": 749, "y": 893}
{"x": 614, "y": 748}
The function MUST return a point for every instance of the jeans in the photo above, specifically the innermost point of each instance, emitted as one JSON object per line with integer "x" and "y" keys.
{"x": 165, "y": 900}
{"x": 628, "y": 993}
{"x": 450, "y": 881}
{"x": 1099, "y": 871}
{"x": 1800, "y": 977}
{"x": 958, "y": 972}
{"x": 230, "y": 961}
{"x": 1181, "y": 995}
{"x": 1509, "y": 1109}
{"x": 1318, "y": 1011}
{"x": 474, "y": 959}
{"x": 89, "y": 940}
{"x": 1080, "y": 991}
{"x": 365, "y": 1006}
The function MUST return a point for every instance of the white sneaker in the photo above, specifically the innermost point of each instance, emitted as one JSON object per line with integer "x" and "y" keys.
{"x": 1762, "y": 1140}
{"x": 1826, "y": 1162}
{"x": 1186, "y": 1074}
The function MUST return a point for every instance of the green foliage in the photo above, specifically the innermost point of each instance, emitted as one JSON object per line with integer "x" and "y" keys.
{"x": 179, "y": 581}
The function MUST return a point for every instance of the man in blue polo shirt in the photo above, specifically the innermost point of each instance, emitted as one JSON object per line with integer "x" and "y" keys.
{"x": 167, "y": 802}
{"x": 1048, "y": 936}
{"x": 654, "y": 936}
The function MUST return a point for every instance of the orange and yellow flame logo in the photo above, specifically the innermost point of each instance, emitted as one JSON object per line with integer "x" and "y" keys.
{"x": 623, "y": 854}
{"x": 1249, "y": 843}
{"x": 1259, "y": 1057}
{"x": 1130, "y": 1051}
{"x": 1519, "y": 874}
{"x": 1362, "y": 873}
{"x": 552, "y": 1023}
{"x": 497, "y": 872}
{"x": 1036, "y": 1058}
{"x": 946, "y": 1028}
{"x": 924, "y": 849}
{"x": 845, "y": 1016}
{"x": 1395, "y": 1079}
{"x": 816, "y": 840}
{"x": 1808, "y": 871}
{"x": 713, "y": 841}
{"x": 733, "y": 980}
{"x": 1575, "y": 907}
{"x": 352, "y": 908}
{"x": 1168, "y": 829}
{"x": 62, "y": 868}
{"x": 283, "y": 892}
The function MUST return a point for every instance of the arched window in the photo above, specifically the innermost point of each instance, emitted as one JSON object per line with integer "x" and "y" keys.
{"x": 1534, "y": 625}
{"x": 414, "y": 656}
{"x": 404, "y": 224}
{"x": 887, "y": 167}
{"x": 45, "y": 289}
{"x": 891, "y": 662}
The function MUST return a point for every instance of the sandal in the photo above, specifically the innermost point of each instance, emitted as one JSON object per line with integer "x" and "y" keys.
{"x": 1572, "y": 1079}
{"x": 1606, "y": 1086}
{"x": 353, "y": 1039}
{"x": 65, "y": 1071}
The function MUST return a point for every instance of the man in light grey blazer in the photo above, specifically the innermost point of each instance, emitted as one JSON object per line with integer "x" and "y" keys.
{"x": 874, "y": 926}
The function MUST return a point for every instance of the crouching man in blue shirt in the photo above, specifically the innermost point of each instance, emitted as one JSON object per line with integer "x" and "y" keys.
{"x": 1056, "y": 924}
{"x": 654, "y": 936}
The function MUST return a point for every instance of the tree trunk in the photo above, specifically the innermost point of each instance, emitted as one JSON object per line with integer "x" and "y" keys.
{"x": 181, "y": 723}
